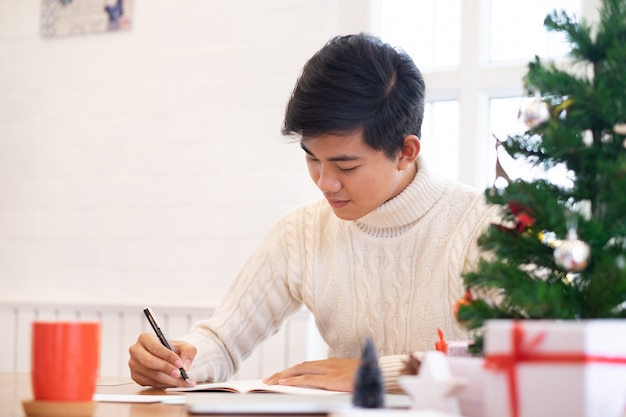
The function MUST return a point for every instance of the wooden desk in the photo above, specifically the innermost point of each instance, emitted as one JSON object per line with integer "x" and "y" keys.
{"x": 14, "y": 388}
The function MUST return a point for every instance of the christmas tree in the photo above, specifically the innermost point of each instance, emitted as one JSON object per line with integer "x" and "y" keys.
{"x": 560, "y": 252}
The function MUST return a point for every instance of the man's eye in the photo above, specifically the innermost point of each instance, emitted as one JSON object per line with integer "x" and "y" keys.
{"x": 346, "y": 170}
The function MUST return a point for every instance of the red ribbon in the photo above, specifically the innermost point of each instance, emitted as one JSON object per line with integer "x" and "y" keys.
{"x": 523, "y": 351}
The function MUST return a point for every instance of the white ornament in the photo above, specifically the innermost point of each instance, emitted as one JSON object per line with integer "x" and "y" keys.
{"x": 536, "y": 113}
{"x": 620, "y": 128}
{"x": 572, "y": 254}
{"x": 434, "y": 386}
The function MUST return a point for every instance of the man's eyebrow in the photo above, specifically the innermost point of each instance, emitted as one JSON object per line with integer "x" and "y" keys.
{"x": 305, "y": 149}
{"x": 337, "y": 158}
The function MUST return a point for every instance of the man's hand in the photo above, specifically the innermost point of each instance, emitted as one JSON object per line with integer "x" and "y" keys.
{"x": 152, "y": 364}
{"x": 333, "y": 374}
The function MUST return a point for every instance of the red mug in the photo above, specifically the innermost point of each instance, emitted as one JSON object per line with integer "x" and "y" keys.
{"x": 65, "y": 357}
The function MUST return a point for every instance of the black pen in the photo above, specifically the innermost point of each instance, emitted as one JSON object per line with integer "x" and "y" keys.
{"x": 157, "y": 329}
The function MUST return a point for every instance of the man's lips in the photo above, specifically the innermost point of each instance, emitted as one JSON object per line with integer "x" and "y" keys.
{"x": 336, "y": 203}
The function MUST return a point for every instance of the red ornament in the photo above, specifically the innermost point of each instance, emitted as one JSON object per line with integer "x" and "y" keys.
{"x": 467, "y": 299}
{"x": 523, "y": 217}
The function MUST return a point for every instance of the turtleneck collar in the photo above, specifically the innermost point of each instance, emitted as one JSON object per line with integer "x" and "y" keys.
{"x": 397, "y": 214}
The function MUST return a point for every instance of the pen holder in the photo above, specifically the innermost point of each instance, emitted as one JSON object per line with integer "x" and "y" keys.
{"x": 65, "y": 359}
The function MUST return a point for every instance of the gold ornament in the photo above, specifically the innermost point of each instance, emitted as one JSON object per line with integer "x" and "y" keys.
{"x": 548, "y": 238}
{"x": 563, "y": 106}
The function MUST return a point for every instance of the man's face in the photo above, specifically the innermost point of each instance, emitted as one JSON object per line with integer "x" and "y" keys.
{"x": 354, "y": 178}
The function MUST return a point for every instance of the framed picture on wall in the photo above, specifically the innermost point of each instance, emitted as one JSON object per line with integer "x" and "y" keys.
{"x": 79, "y": 17}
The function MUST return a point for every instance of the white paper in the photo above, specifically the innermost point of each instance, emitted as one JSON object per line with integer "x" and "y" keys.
{"x": 138, "y": 398}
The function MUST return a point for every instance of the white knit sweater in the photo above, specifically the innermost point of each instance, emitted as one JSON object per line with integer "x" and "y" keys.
{"x": 394, "y": 274}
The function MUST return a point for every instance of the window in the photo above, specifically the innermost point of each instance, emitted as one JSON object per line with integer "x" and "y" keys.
{"x": 517, "y": 32}
{"x": 428, "y": 30}
{"x": 440, "y": 137}
{"x": 473, "y": 59}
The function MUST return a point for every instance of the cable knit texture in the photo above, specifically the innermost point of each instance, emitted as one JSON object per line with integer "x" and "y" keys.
{"x": 394, "y": 275}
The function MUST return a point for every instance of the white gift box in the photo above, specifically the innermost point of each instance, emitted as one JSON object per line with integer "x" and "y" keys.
{"x": 471, "y": 395}
{"x": 538, "y": 368}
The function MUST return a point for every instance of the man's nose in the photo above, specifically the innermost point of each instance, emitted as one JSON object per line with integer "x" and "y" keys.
{"x": 327, "y": 182}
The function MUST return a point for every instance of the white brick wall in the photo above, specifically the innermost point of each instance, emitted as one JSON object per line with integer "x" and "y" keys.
{"x": 143, "y": 167}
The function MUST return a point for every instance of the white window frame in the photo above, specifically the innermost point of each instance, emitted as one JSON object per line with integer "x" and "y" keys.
{"x": 473, "y": 83}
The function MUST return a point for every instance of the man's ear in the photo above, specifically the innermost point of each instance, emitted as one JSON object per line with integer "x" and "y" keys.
{"x": 410, "y": 151}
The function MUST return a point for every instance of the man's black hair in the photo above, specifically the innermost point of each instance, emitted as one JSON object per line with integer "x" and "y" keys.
{"x": 358, "y": 82}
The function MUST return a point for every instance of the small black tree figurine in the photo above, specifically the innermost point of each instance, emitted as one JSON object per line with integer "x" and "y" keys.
{"x": 369, "y": 389}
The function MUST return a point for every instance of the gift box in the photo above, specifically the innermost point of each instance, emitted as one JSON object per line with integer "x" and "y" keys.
{"x": 471, "y": 395}
{"x": 538, "y": 368}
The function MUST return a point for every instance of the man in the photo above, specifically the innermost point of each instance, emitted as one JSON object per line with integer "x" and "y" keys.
{"x": 381, "y": 256}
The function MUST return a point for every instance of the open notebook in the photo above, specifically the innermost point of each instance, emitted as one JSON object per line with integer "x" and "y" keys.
{"x": 255, "y": 385}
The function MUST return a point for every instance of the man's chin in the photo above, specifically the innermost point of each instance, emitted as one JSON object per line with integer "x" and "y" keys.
{"x": 344, "y": 214}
